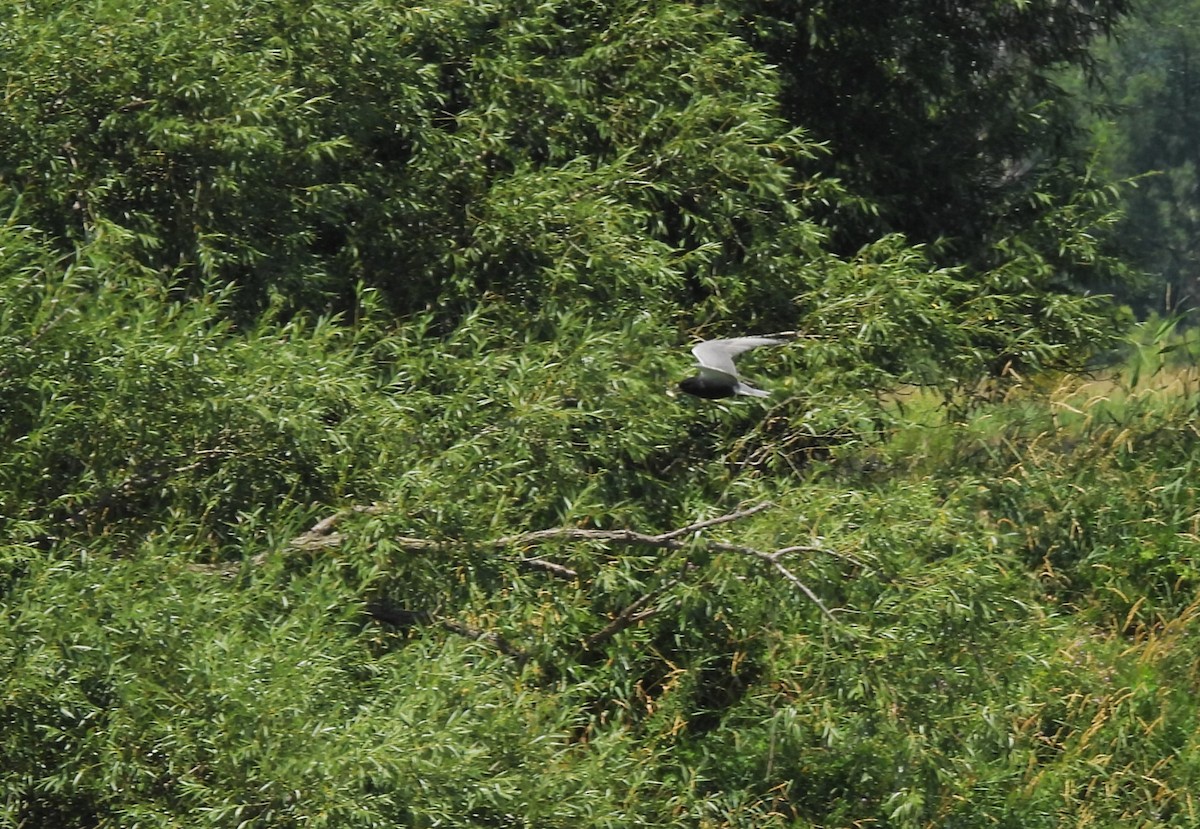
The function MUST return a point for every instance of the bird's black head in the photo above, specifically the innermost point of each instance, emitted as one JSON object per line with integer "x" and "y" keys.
{"x": 699, "y": 386}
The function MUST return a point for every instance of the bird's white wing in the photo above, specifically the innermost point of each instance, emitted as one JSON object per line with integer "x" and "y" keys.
{"x": 718, "y": 354}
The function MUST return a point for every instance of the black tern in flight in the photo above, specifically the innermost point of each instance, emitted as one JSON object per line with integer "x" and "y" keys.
{"x": 718, "y": 376}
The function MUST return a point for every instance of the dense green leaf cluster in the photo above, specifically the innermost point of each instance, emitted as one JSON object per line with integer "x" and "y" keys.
{"x": 558, "y": 155}
{"x": 1000, "y": 653}
{"x": 343, "y": 482}
{"x": 558, "y": 151}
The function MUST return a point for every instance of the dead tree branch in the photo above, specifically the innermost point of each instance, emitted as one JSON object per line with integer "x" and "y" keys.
{"x": 672, "y": 540}
{"x": 325, "y": 534}
{"x": 668, "y": 540}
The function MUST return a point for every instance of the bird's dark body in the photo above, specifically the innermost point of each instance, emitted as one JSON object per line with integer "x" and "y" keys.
{"x": 709, "y": 390}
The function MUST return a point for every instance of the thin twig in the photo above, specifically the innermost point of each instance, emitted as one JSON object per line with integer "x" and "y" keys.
{"x": 712, "y": 522}
{"x": 550, "y": 567}
{"x": 773, "y": 559}
{"x": 790, "y": 576}
{"x": 632, "y": 613}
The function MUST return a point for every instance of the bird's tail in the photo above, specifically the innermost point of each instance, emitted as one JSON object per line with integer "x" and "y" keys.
{"x": 750, "y": 391}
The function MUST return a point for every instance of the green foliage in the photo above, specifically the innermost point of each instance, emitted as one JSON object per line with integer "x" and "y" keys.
{"x": 569, "y": 159}
{"x": 1147, "y": 127}
{"x": 556, "y": 153}
{"x": 944, "y": 117}
{"x": 159, "y": 696}
{"x": 270, "y": 552}
{"x": 123, "y": 402}
{"x": 1015, "y": 605}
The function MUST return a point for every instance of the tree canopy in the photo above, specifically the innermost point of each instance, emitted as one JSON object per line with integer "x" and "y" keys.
{"x": 950, "y": 119}
{"x": 1146, "y": 128}
{"x": 343, "y": 482}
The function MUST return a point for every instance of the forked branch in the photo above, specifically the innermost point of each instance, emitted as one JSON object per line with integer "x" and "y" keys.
{"x": 324, "y": 534}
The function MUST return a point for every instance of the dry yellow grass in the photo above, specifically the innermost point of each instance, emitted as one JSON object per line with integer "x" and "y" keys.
{"x": 1082, "y": 395}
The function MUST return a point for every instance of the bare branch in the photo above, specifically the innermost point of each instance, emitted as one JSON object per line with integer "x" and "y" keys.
{"x": 671, "y": 540}
{"x": 667, "y": 540}
{"x": 817, "y": 548}
{"x": 325, "y": 534}
{"x": 322, "y": 534}
{"x": 787, "y": 574}
{"x": 536, "y": 537}
{"x": 550, "y": 567}
{"x": 712, "y": 522}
